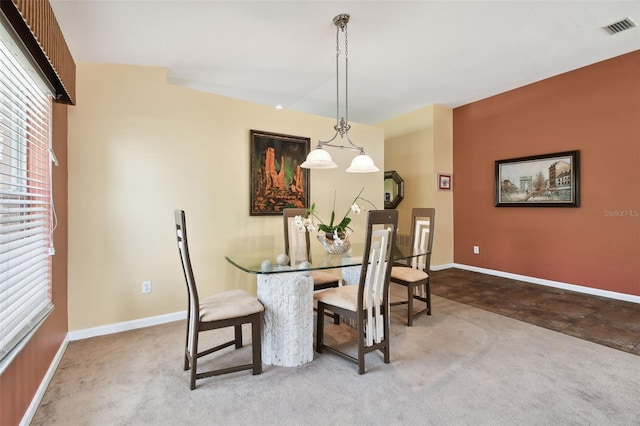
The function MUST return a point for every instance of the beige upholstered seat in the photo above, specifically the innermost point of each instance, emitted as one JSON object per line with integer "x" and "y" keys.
{"x": 228, "y": 304}
{"x": 322, "y": 280}
{"x": 297, "y": 246}
{"x": 227, "y": 309}
{"x": 366, "y": 304}
{"x": 416, "y": 276}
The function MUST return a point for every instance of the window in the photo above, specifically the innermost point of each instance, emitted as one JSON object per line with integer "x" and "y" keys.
{"x": 26, "y": 209}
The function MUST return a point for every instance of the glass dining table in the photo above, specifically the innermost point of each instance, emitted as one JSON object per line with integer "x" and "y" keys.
{"x": 287, "y": 295}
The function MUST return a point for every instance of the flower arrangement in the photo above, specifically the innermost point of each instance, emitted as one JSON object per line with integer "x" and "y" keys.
{"x": 338, "y": 232}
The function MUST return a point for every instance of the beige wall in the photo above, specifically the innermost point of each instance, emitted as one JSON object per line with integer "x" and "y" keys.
{"x": 419, "y": 145}
{"x": 138, "y": 149}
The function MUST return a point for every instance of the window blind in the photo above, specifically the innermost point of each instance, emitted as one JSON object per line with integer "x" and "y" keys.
{"x": 26, "y": 210}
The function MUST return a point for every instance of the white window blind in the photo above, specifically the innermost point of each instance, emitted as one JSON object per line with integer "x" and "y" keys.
{"x": 26, "y": 212}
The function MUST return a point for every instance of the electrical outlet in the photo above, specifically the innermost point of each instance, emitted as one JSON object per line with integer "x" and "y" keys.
{"x": 146, "y": 286}
{"x": 476, "y": 249}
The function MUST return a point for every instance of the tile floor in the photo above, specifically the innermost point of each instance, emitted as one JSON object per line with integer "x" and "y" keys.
{"x": 609, "y": 322}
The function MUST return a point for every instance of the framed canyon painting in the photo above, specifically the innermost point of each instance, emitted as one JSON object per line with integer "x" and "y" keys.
{"x": 277, "y": 180}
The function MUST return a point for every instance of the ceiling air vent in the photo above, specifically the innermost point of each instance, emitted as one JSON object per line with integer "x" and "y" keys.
{"x": 619, "y": 26}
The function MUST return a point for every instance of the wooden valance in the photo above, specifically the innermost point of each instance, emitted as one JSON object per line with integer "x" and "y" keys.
{"x": 37, "y": 27}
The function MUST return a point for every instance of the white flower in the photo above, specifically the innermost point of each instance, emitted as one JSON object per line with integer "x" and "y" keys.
{"x": 299, "y": 223}
{"x": 303, "y": 225}
{"x": 355, "y": 208}
{"x": 308, "y": 223}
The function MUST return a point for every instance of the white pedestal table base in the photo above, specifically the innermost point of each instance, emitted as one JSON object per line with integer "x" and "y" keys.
{"x": 287, "y": 332}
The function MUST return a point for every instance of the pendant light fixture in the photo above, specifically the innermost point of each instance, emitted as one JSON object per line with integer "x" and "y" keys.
{"x": 319, "y": 158}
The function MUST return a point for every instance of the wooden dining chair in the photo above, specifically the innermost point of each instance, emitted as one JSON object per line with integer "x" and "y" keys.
{"x": 366, "y": 304}
{"x": 297, "y": 245}
{"x": 227, "y": 309}
{"x": 415, "y": 276}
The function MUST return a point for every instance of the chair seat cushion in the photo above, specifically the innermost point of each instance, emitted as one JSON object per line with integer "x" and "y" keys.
{"x": 404, "y": 273}
{"x": 229, "y": 304}
{"x": 322, "y": 277}
{"x": 343, "y": 297}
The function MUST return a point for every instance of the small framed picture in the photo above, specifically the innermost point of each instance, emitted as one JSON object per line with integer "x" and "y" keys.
{"x": 444, "y": 182}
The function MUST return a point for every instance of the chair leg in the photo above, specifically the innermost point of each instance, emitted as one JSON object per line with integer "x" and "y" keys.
{"x": 237, "y": 330}
{"x": 194, "y": 359}
{"x": 186, "y": 345}
{"x": 320, "y": 327}
{"x": 186, "y": 359}
{"x": 428, "y": 297}
{"x": 387, "y": 356}
{"x": 410, "y": 304}
{"x": 361, "y": 339}
{"x": 256, "y": 342}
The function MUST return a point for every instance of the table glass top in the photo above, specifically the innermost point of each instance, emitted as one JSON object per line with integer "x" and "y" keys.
{"x": 267, "y": 261}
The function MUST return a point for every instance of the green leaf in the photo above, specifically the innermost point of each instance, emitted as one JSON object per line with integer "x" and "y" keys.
{"x": 345, "y": 223}
{"x": 324, "y": 228}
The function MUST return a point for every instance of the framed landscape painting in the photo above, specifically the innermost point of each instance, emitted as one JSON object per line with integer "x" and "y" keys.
{"x": 549, "y": 180}
{"x": 277, "y": 180}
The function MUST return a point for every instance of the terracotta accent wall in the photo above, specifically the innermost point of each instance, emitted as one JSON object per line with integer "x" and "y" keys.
{"x": 20, "y": 382}
{"x": 595, "y": 109}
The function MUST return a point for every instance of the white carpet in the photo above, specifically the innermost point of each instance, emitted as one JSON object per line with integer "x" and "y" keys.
{"x": 461, "y": 366}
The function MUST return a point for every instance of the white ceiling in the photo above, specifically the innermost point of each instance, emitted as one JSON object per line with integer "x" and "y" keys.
{"x": 403, "y": 55}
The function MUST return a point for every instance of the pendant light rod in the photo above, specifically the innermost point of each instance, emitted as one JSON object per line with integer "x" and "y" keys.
{"x": 342, "y": 126}
{"x": 319, "y": 158}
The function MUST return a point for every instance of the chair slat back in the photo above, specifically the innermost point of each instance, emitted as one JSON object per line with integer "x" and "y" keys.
{"x": 296, "y": 243}
{"x": 423, "y": 220}
{"x": 373, "y": 292}
{"x": 183, "y": 249}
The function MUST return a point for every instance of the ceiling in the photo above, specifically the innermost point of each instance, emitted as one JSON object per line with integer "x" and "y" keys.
{"x": 403, "y": 55}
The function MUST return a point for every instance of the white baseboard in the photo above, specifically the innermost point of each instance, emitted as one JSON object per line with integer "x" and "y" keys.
{"x": 176, "y": 316}
{"x": 37, "y": 398}
{"x": 441, "y": 267}
{"x": 125, "y": 326}
{"x": 548, "y": 283}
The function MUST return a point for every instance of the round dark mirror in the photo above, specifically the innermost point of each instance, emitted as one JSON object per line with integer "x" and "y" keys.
{"x": 393, "y": 189}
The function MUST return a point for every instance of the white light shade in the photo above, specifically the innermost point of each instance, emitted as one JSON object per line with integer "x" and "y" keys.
{"x": 318, "y": 159}
{"x": 362, "y": 164}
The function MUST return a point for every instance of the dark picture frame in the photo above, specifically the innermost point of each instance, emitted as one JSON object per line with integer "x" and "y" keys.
{"x": 277, "y": 180}
{"x": 549, "y": 180}
{"x": 445, "y": 182}
{"x": 393, "y": 189}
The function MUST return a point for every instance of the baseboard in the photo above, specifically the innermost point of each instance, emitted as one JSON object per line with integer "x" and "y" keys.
{"x": 176, "y": 316}
{"x": 125, "y": 326}
{"x": 548, "y": 283}
{"x": 441, "y": 267}
{"x": 37, "y": 398}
